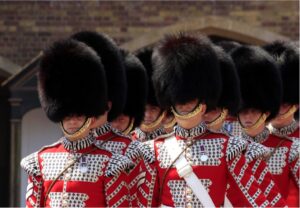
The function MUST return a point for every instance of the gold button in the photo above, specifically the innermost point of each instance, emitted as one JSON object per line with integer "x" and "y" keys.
{"x": 189, "y": 205}
{"x": 67, "y": 176}
{"x": 188, "y": 191}
{"x": 64, "y": 203}
{"x": 188, "y": 155}
{"x": 65, "y": 196}
{"x": 189, "y": 197}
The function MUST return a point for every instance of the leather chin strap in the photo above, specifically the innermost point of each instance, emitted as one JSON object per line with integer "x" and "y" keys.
{"x": 261, "y": 119}
{"x": 79, "y": 132}
{"x": 219, "y": 119}
{"x": 192, "y": 114}
{"x": 154, "y": 124}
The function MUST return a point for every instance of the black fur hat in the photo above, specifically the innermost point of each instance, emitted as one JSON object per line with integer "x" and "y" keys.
{"x": 289, "y": 68}
{"x": 186, "y": 67}
{"x": 137, "y": 87}
{"x": 228, "y": 46}
{"x": 71, "y": 81}
{"x": 276, "y": 48}
{"x": 260, "y": 80}
{"x": 231, "y": 94}
{"x": 287, "y": 56}
{"x": 113, "y": 64}
{"x": 144, "y": 55}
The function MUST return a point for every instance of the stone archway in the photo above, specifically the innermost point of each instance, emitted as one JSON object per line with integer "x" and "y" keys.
{"x": 210, "y": 25}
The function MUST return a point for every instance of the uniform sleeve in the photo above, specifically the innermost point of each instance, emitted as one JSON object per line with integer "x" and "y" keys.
{"x": 148, "y": 185}
{"x": 243, "y": 189}
{"x": 255, "y": 154}
{"x": 140, "y": 154}
{"x": 294, "y": 162}
{"x": 34, "y": 197}
{"x": 266, "y": 183}
{"x": 116, "y": 187}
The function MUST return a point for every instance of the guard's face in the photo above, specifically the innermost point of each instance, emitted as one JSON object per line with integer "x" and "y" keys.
{"x": 167, "y": 119}
{"x": 212, "y": 115}
{"x": 284, "y": 108}
{"x": 186, "y": 108}
{"x": 249, "y": 117}
{"x": 121, "y": 123}
{"x": 72, "y": 124}
{"x": 283, "y": 119}
{"x": 151, "y": 114}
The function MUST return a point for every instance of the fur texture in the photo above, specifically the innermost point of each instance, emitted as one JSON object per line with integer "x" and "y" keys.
{"x": 260, "y": 80}
{"x": 71, "y": 81}
{"x": 186, "y": 67}
{"x": 114, "y": 68}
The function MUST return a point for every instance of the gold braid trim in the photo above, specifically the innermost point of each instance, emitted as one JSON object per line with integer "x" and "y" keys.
{"x": 291, "y": 111}
{"x": 129, "y": 128}
{"x": 170, "y": 124}
{"x": 154, "y": 124}
{"x": 79, "y": 132}
{"x": 219, "y": 119}
{"x": 262, "y": 119}
{"x": 192, "y": 114}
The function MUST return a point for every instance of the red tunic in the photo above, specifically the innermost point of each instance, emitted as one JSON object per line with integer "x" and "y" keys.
{"x": 116, "y": 142}
{"x": 291, "y": 131}
{"x": 225, "y": 167}
{"x": 98, "y": 179}
{"x": 284, "y": 160}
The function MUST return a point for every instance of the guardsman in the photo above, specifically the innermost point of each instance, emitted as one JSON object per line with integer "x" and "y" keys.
{"x": 261, "y": 90}
{"x": 137, "y": 89}
{"x": 285, "y": 124}
{"x": 111, "y": 139}
{"x": 151, "y": 126}
{"x": 255, "y": 153}
{"x": 193, "y": 166}
{"x": 75, "y": 171}
{"x": 231, "y": 124}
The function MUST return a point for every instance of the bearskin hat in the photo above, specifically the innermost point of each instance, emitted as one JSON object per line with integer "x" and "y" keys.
{"x": 186, "y": 67}
{"x": 231, "y": 95}
{"x": 145, "y": 56}
{"x": 276, "y": 48}
{"x": 112, "y": 61}
{"x": 137, "y": 87}
{"x": 228, "y": 46}
{"x": 260, "y": 80}
{"x": 71, "y": 81}
{"x": 287, "y": 56}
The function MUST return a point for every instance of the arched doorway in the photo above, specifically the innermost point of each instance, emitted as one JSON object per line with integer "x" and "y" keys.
{"x": 212, "y": 26}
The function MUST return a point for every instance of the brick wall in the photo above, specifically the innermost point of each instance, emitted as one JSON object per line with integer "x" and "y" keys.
{"x": 27, "y": 27}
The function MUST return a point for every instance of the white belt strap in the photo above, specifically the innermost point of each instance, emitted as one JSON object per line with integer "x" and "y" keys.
{"x": 185, "y": 171}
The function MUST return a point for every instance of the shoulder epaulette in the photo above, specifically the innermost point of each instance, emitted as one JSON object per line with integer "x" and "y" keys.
{"x": 138, "y": 149}
{"x": 294, "y": 151}
{"x": 31, "y": 164}
{"x": 119, "y": 133}
{"x": 234, "y": 147}
{"x": 117, "y": 164}
{"x": 256, "y": 151}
